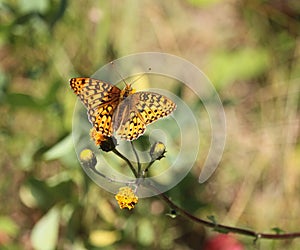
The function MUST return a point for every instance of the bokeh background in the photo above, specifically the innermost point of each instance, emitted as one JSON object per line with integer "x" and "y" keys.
{"x": 249, "y": 50}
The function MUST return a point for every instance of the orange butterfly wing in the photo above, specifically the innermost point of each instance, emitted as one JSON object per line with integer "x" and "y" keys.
{"x": 138, "y": 110}
{"x": 100, "y": 99}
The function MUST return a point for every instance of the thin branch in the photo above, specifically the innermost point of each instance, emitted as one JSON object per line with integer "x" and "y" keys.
{"x": 147, "y": 168}
{"x": 96, "y": 171}
{"x": 127, "y": 161}
{"x": 137, "y": 158}
{"x": 217, "y": 227}
{"x": 224, "y": 228}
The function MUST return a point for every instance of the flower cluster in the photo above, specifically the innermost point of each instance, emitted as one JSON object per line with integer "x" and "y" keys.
{"x": 126, "y": 198}
{"x": 106, "y": 143}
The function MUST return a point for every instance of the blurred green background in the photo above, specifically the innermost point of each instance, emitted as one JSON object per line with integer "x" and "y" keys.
{"x": 250, "y": 51}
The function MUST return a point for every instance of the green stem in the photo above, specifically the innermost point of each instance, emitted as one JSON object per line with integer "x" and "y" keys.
{"x": 137, "y": 159}
{"x": 224, "y": 228}
{"x": 147, "y": 168}
{"x": 127, "y": 161}
{"x": 96, "y": 171}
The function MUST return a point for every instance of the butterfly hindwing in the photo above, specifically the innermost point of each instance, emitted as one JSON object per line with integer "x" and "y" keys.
{"x": 152, "y": 106}
{"x": 101, "y": 118}
{"x": 131, "y": 127}
{"x": 138, "y": 110}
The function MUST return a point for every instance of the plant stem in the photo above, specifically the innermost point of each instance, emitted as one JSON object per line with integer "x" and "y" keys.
{"x": 224, "y": 228}
{"x": 147, "y": 168}
{"x": 137, "y": 159}
{"x": 127, "y": 161}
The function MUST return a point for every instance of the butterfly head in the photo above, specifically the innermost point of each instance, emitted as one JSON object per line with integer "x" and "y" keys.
{"x": 128, "y": 90}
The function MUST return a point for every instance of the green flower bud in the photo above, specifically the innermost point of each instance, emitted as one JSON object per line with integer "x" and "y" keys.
{"x": 157, "y": 151}
{"x": 88, "y": 158}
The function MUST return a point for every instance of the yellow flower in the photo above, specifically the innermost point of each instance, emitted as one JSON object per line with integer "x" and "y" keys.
{"x": 126, "y": 198}
{"x": 96, "y": 136}
{"x": 106, "y": 143}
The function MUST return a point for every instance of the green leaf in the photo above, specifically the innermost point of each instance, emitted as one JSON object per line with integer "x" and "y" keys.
{"x": 8, "y": 226}
{"x": 145, "y": 232}
{"x": 212, "y": 218}
{"x": 277, "y": 230}
{"x": 22, "y": 101}
{"x": 41, "y": 194}
{"x": 243, "y": 64}
{"x": 64, "y": 151}
{"x": 60, "y": 149}
{"x": 45, "y": 232}
{"x": 40, "y": 6}
{"x": 37, "y": 193}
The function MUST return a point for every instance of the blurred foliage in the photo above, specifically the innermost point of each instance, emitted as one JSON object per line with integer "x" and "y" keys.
{"x": 249, "y": 49}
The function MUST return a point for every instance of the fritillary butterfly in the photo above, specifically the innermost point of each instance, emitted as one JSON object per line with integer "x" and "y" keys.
{"x": 124, "y": 112}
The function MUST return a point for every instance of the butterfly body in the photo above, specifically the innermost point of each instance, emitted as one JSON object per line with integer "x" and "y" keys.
{"x": 124, "y": 112}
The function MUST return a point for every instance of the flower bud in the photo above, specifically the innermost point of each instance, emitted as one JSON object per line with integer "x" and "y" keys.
{"x": 157, "y": 151}
{"x": 88, "y": 158}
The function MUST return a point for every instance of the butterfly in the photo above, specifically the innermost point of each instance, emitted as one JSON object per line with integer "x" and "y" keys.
{"x": 124, "y": 112}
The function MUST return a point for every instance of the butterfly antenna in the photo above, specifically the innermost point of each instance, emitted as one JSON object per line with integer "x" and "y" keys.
{"x": 113, "y": 65}
{"x": 139, "y": 77}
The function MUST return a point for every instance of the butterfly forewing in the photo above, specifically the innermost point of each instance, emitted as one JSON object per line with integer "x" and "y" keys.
{"x": 100, "y": 98}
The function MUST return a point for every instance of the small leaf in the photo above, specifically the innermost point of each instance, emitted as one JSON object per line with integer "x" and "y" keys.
{"x": 45, "y": 232}
{"x": 277, "y": 230}
{"x": 212, "y": 219}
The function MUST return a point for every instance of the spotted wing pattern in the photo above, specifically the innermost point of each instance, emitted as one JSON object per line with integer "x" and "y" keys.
{"x": 138, "y": 110}
{"x": 100, "y": 99}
